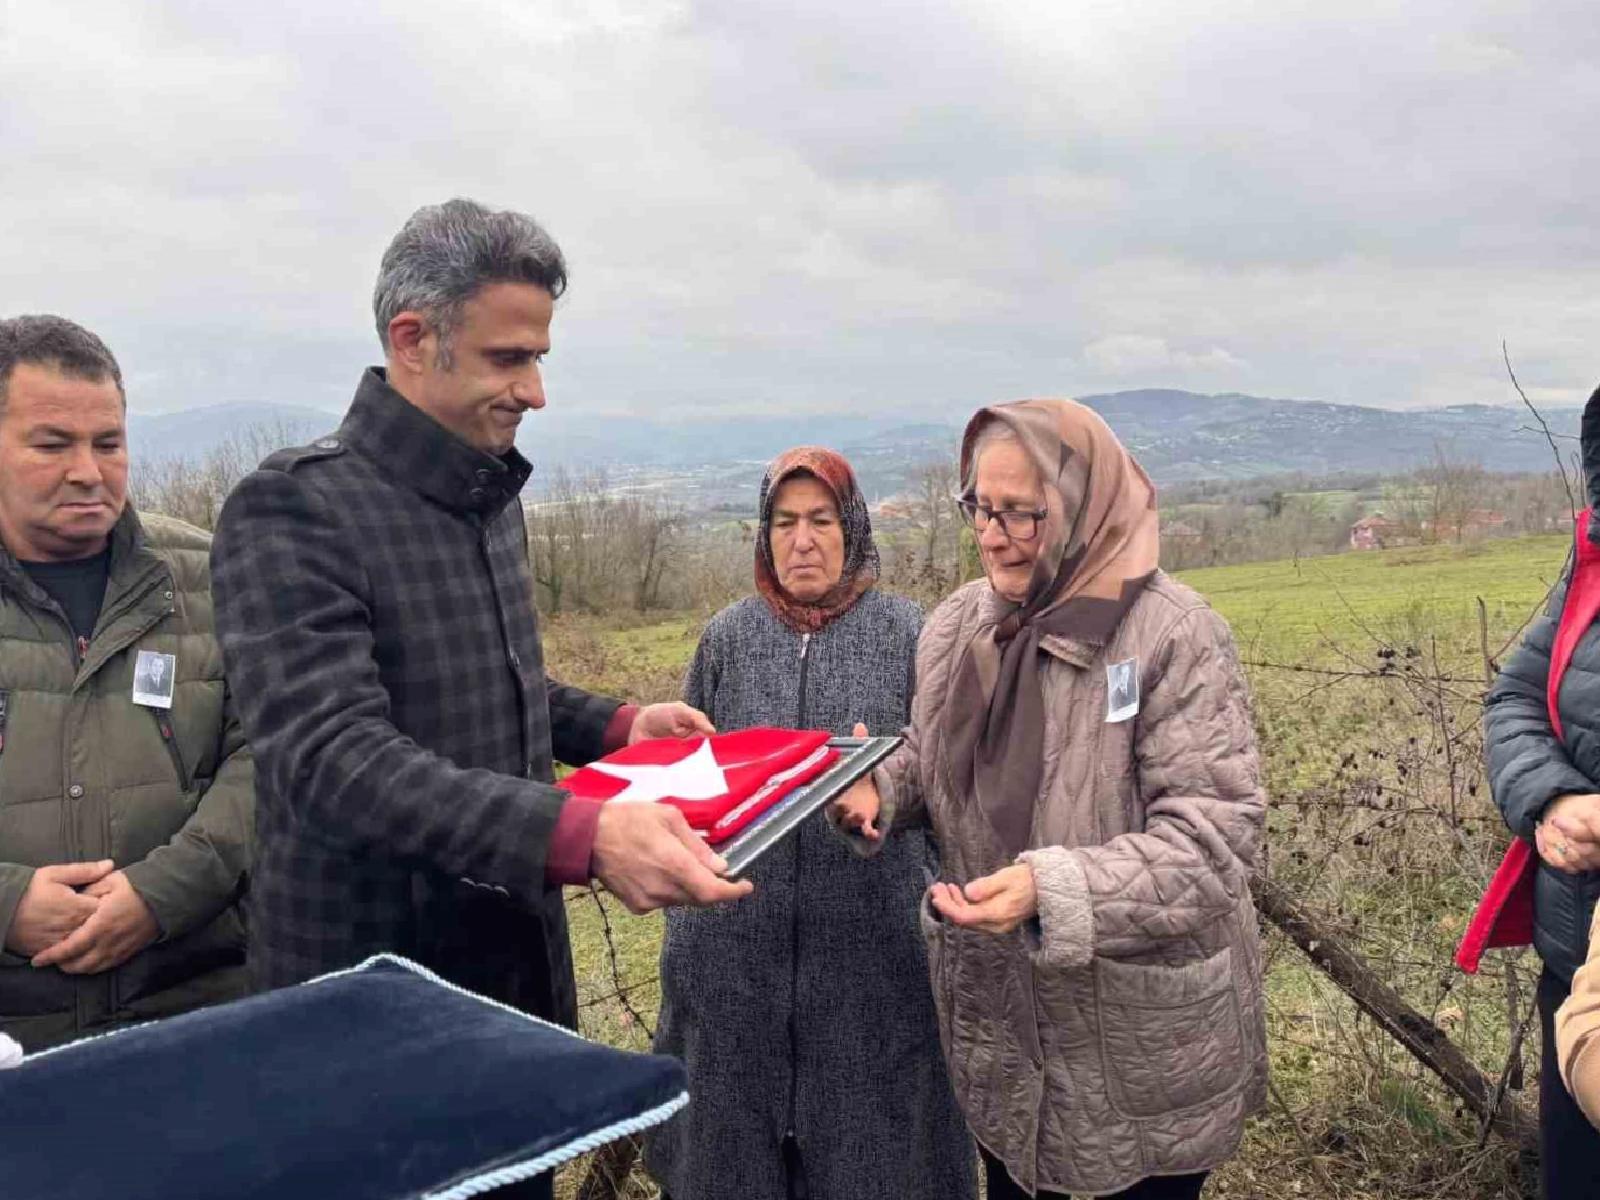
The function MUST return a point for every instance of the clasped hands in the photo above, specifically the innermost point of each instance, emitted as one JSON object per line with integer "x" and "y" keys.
{"x": 82, "y": 917}
{"x": 1568, "y": 835}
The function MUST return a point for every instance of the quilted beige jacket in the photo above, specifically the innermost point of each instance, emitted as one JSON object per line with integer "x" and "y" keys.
{"x": 1578, "y": 1032}
{"x": 1122, "y": 1036}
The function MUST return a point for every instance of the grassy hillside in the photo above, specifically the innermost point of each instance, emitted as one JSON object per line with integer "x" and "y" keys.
{"x": 1367, "y": 671}
{"x": 1305, "y": 607}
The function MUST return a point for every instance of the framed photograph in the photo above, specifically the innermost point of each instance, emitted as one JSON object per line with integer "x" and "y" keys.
{"x": 857, "y": 756}
{"x": 153, "y": 676}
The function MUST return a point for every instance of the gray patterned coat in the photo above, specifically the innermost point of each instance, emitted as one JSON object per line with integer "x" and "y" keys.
{"x": 807, "y": 1006}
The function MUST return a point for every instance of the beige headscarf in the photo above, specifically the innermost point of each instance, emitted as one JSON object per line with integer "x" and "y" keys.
{"x": 1100, "y": 545}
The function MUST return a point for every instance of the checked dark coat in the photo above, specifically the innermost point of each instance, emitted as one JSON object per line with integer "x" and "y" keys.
{"x": 377, "y": 620}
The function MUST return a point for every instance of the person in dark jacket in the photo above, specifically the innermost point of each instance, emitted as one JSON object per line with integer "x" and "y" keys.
{"x": 125, "y": 814}
{"x": 377, "y": 616}
{"x": 1548, "y": 788}
{"x": 805, "y": 1015}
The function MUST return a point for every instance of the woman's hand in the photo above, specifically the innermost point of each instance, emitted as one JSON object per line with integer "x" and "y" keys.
{"x": 995, "y": 903}
{"x": 1568, "y": 835}
{"x": 857, "y": 809}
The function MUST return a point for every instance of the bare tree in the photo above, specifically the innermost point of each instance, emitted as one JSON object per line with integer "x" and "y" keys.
{"x": 195, "y": 489}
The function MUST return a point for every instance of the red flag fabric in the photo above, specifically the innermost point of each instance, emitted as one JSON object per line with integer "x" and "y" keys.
{"x": 1504, "y": 917}
{"x": 720, "y": 783}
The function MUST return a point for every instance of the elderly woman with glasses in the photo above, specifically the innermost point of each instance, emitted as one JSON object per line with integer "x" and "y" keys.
{"x": 803, "y": 1012}
{"x": 1081, "y": 746}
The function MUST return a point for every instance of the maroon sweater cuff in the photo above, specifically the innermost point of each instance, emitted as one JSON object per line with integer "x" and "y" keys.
{"x": 621, "y": 724}
{"x": 571, "y": 845}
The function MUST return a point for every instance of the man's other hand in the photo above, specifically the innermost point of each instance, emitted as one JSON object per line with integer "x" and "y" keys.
{"x": 649, "y": 858}
{"x": 674, "y": 720}
{"x": 122, "y": 926}
{"x": 51, "y": 907}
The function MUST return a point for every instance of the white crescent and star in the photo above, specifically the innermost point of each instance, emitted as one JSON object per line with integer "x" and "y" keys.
{"x": 693, "y": 777}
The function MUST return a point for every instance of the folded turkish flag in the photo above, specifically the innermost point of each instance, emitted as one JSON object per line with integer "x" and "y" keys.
{"x": 719, "y": 783}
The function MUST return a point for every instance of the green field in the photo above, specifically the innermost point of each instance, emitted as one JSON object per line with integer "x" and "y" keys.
{"x": 1304, "y": 606}
{"x": 1346, "y": 655}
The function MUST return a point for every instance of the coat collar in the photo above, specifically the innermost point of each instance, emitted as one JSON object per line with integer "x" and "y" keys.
{"x": 131, "y": 559}
{"x": 409, "y": 444}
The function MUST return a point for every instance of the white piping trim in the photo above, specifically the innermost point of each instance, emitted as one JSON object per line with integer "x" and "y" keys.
{"x": 418, "y": 969}
{"x": 473, "y": 1185}
{"x": 552, "y": 1159}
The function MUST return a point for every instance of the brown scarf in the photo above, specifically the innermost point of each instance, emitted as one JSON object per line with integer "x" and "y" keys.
{"x": 1099, "y": 549}
{"x": 860, "y": 552}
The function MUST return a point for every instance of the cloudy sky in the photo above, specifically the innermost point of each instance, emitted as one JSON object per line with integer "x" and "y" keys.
{"x": 839, "y": 204}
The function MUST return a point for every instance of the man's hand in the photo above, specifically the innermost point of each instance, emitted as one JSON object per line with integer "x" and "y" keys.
{"x": 51, "y": 907}
{"x": 1568, "y": 835}
{"x": 119, "y": 928}
{"x": 995, "y": 903}
{"x": 674, "y": 720}
{"x": 648, "y": 857}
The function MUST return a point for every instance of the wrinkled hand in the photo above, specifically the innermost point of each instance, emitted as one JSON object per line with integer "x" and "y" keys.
{"x": 51, "y": 907}
{"x": 857, "y": 808}
{"x": 995, "y": 903}
{"x": 675, "y": 720}
{"x": 648, "y": 857}
{"x": 1568, "y": 835}
{"x": 119, "y": 928}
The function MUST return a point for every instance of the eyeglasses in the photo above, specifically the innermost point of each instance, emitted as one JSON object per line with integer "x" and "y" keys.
{"x": 1018, "y": 524}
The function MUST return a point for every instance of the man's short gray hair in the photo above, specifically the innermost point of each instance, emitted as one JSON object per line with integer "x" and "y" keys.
{"x": 42, "y": 340}
{"x": 445, "y": 254}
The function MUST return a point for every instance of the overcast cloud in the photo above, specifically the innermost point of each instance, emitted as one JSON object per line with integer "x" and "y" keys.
{"x": 840, "y": 204}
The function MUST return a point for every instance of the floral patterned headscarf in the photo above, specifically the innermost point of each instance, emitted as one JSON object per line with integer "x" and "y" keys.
{"x": 860, "y": 552}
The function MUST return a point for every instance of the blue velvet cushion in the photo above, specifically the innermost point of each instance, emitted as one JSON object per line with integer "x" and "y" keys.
{"x": 376, "y": 1083}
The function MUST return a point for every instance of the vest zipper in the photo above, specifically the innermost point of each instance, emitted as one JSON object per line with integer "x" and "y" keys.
{"x": 794, "y": 927}
{"x": 170, "y": 740}
{"x": 5, "y": 713}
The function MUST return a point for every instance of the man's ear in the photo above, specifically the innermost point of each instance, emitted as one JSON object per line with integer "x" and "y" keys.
{"x": 410, "y": 342}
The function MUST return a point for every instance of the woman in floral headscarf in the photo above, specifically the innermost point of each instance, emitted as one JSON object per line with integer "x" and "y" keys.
{"x": 803, "y": 1013}
{"x": 1081, "y": 745}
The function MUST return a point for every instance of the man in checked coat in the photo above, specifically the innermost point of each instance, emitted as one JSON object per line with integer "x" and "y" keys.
{"x": 377, "y": 618}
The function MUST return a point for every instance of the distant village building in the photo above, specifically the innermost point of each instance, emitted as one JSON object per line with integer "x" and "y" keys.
{"x": 1372, "y": 533}
{"x": 1476, "y": 522}
{"x": 1378, "y": 531}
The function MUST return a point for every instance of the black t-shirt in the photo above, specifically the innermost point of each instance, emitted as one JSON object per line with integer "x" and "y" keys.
{"x": 79, "y": 586}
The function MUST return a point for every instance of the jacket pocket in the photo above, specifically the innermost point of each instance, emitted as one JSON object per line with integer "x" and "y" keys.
{"x": 933, "y": 941}
{"x": 169, "y": 739}
{"x": 1171, "y": 1038}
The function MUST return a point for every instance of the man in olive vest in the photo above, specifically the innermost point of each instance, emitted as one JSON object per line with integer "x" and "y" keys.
{"x": 125, "y": 784}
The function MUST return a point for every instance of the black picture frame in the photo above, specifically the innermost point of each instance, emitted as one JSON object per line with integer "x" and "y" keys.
{"x": 857, "y": 756}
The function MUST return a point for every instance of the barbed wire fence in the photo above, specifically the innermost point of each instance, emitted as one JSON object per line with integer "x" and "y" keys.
{"x": 1394, "y": 1074}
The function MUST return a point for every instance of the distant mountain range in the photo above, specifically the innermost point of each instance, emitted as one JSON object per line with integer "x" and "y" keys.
{"x": 1178, "y": 436}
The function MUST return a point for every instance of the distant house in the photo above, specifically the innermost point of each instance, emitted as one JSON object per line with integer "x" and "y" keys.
{"x": 1371, "y": 533}
{"x": 1475, "y": 522}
